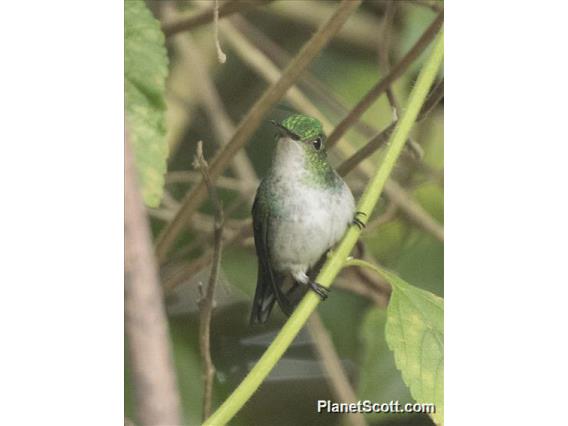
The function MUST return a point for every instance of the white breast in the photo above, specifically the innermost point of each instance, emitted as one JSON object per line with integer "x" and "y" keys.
{"x": 311, "y": 220}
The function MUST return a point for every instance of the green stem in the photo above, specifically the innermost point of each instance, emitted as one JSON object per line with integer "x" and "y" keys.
{"x": 364, "y": 264}
{"x": 337, "y": 261}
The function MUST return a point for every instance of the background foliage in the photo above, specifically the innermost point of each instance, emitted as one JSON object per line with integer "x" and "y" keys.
{"x": 348, "y": 67}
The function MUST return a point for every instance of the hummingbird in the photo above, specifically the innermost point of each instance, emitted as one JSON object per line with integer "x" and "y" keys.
{"x": 301, "y": 210}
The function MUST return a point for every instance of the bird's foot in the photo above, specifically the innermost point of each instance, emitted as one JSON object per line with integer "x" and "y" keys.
{"x": 319, "y": 289}
{"x": 358, "y": 222}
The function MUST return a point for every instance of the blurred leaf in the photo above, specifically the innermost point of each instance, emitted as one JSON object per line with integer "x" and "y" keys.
{"x": 421, "y": 262}
{"x": 145, "y": 71}
{"x": 415, "y": 333}
{"x": 431, "y": 136}
{"x": 379, "y": 380}
{"x": 431, "y": 197}
{"x": 386, "y": 242}
{"x": 352, "y": 308}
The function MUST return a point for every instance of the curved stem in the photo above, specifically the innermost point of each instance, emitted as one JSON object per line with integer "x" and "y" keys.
{"x": 340, "y": 255}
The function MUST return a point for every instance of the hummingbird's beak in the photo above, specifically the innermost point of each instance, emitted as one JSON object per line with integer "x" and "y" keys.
{"x": 287, "y": 132}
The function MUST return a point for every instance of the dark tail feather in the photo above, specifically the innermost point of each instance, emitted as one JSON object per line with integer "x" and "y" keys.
{"x": 264, "y": 299}
{"x": 267, "y": 293}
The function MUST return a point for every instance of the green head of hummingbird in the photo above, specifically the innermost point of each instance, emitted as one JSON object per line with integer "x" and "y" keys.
{"x": 302, "y": 209}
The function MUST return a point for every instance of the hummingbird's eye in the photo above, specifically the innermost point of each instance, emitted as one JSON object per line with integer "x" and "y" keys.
{"x": 317, "y": 143}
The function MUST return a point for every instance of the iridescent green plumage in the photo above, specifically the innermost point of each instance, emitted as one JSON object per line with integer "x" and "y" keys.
{"x": 305, "y": 127}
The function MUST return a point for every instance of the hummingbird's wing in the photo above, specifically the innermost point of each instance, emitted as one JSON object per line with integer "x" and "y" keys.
{"x": 269, "y": 282}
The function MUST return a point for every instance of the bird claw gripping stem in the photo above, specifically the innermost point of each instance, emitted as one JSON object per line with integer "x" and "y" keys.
{"x": 320, "y": 290}
{"x": 358, "y": 222}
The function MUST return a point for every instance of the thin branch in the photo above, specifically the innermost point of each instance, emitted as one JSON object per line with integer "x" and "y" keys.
{"x": 335, "y": 374}
{"x": 389, "y": 214}
{"x": 224, "y": 182}
{"x": 419, "y": 216}
{"x": 384, "y": 46}
{"x": 436, "y": 5}
{"x": 203, "y": 17}
{"x": 252, "y": 120}
{"x": 155, "y": 388}
{"x": 377, "y": 141}
{"x": 313, "y": 85}
{"x": 359, "y": 32}
{"x": 223, "y": 127}
{"x": 354, "y": 286}
{"x": 221, "y": 57}
{"x": 384, "y": 61}
{"x": 206, "y": 303}
{"x": 188, "y": 269}
{"x": 399, "y": 69}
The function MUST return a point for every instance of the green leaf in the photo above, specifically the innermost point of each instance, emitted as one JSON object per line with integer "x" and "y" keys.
{"x": 145, "y": 71}
{"x": 415, "y": 333}
{"x": 379, "y": 380}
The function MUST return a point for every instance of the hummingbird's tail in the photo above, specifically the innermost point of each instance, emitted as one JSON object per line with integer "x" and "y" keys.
{"x": 270, "y": 289}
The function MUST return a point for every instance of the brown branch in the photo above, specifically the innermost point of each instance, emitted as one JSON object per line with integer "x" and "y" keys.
{"x": 384, "y": 46}
{"x": 252, "y": 120}
{"x": 224, "y": 182}
{"x": 155, "y": 388}
{"x": 206, "y": 302}
{"x": 223, "y": 127}
{"x": 337, "y": 378}
{"x": 360, "y": 32}
{"x": 418, "y": 215}
{"x": 188, "y": 269}
{"x": 361, "y": 290}
{"x": 436, "y": 5}
{"x": 382, "y": 137}
{"x": 389, "y": 214}
{"x": 399, "y": 69}
{"x": 203, "y": 17}
{"x": 384, "y": 61}
{"x": 308, "y": 81}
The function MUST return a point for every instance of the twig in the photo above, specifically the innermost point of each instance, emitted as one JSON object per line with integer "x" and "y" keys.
{"x": 419, "y": 216}
{"x": 335, "y": 263}
{"x": 436, "y": 5}
{"x": 252, "y": 120}
{"x": 384, "y": 46}
{"x": 342, "y": 389}
{"x": 221, "y": 57}
{"x": 224, "y": 182}
{"x": 360, "y": 289}
{"x": 377, "y": 141}
{"x": 384, "y": 61}
{"x": 359, "y": 32}
{"x": 280, "y": 58}
{"x": 157, "y": 399}
{"x": 389, "y": 214}
{"x": 206, "y": 303}
{"x": 356, "y": 113}
{"x": 223, "y": 127}
{"x": 189, "y": 269}
{"x": 203, "y": 17}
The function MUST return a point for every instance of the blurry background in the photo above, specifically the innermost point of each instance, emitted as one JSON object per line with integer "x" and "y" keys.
{"x": 206, "y": 100}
